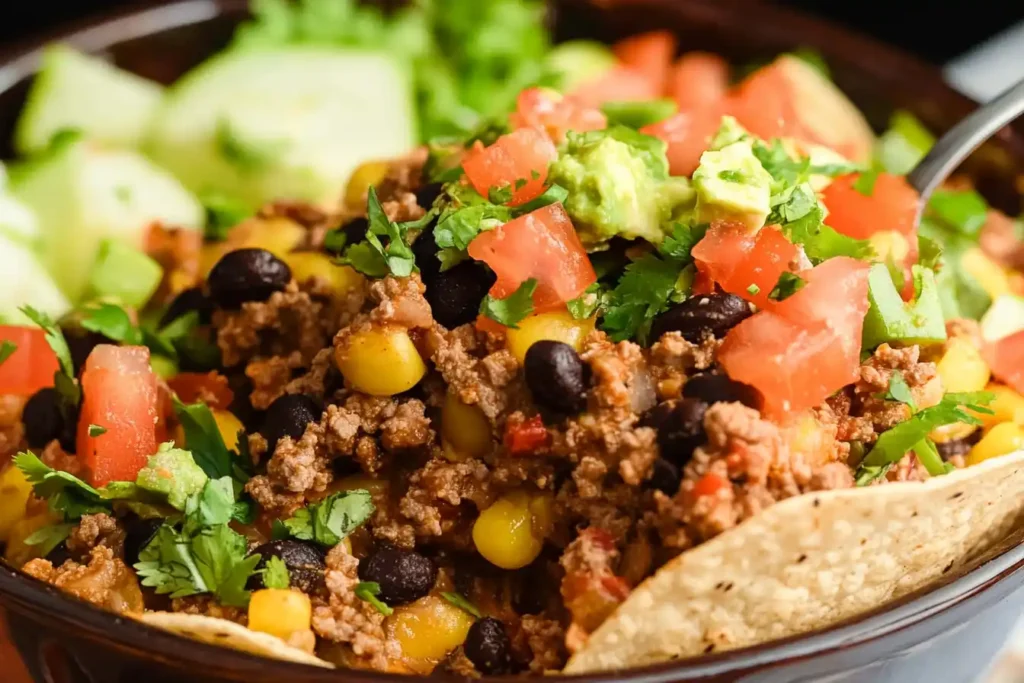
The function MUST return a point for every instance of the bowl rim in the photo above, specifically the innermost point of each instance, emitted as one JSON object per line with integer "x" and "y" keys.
{"x": 25, "y": 593}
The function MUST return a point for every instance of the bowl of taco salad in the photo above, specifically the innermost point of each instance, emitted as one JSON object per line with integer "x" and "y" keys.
{"x": 495, "y": 339}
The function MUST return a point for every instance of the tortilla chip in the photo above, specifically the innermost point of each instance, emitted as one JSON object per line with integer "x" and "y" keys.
{"x": 229, "y": 634}
{"x": 810, "y": 562}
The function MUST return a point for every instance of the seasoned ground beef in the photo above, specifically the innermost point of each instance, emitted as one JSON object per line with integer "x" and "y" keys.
{"x": 105, "y": 580}
{"x": 11, "y": 429}
{"x": 433, "y": 503}
{"x": 672, "y": 359}
{"x": 296, "y": 472}
{"x": 93, "y": 531}
{"x": 544, "y": 641}
{"x": 177, "y": 251}
{"x": 206, "y": 606}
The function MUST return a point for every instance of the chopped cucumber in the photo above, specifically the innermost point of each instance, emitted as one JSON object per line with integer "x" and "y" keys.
{"x": 124, "y": 274}
{"x": 84, "y": 193}
{"x": 25, "y": 282}
{"x": 290, "y": 123}
{"x": 1004, "y": 318}
{"x": 74, "y": 91}
{"x": 575, "y": 62}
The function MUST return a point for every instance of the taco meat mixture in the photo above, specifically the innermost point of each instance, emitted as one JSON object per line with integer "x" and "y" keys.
{"x": 450, "y": 425}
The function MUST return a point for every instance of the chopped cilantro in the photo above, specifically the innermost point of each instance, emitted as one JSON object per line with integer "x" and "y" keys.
{"x": 513, "y": 308}
{"x": 275, "y": 573}
{"x": 334, "y": 241}
{"x": 222, "y": 214}
{"x": 96, "y": 430}
{"x": 753, "y": 290}
{"x": 637, "y": 114}
{"x": 65, "y": 493}
{"x": 683, "y": 238}
{"x": 166, "y": 565}
{"x": 865, "y": 183}
{"x": 113, "y": 322}
{"x": 732, "y": 176}
{"x": 368, "y": 591}
{"x": 869, "y": 473}
{"x": 553, "y": 195}
{"x": 787, "y": 285}
{"x": 644, "y": 290}
{"x": 203, "y": 439}
{"x": 899, "y": 391}
{"x": 820, "y": 242}
{"x": 69, "y": 394}
{"x": 588, "y": 303}
{"x": 49, "y": 537}
{"x": 7, "y": 349}
{"x": 500, "y": 195}
{"x": 376, "y": 258}
{"x": 462, "y": 603}
{"x": 330, "y": 520}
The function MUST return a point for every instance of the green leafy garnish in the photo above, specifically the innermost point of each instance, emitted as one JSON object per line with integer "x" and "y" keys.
{"x": 638, "y": 114}
{"x": 112, "y": 322}
{"x": 330, "y": 520}
{"x": 65, "y": 493}
{"x": 753, "y": 290}
{"x": 552, "y": 195}
{"x": 463, "y": 604}
{"x": 69, "y": 394}
{"x": 787, "y": 285}
{"x": 222, "y": 214}
{"x": 586, "y": 304}
{"x": 513, "y": 308}
{"x": 965, "y": 210}
{"x": 203, "y": 439}
{"x": 96, "y": 430}
{"x": 7, "y": 348}
{"x": 903, "y": 145}
{"x": 275, "y": 573}
{"x": 368, "y": 592}
{"x": 898, "y": 390}
{"x": 376, "y": 258}
{"x": 49, "y": 537}
{"x": 865, "y": 183}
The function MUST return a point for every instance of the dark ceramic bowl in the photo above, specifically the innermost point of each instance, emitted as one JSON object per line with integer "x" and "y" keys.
{"x": 950, "y": 633}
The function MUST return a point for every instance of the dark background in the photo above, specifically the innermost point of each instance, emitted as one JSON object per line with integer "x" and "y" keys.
{"x": 937, "y": 31}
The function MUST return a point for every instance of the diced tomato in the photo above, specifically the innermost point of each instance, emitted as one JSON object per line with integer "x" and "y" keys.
{"x": 747, "y": 265}
{"x": 618, "y": 84}
{"x": 554, "y": 114}
{"x": 517, "y": 160}
{"x": 687, "y": 135}
{"x": 804, "y": 348}
{"x": 709, "y": 485}
{"x": 120, "y": 395}
{"x": 764, "y": 104}
{"x": 211, "y": 388}
{"x": 32, "y": 365}
{"x": 891, "y": 205}
{"x": 1006, "y": 358}
{"x": 650, "y": 54}
{"x": 525, "y": 436}
{"x": 543, "y": 245}
{"x": 697, "y": 80}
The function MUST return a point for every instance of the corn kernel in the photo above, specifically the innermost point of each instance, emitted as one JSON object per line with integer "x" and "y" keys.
{"x": 18, "y": 552}
{"x": 1002, "y": 439}
{"x": 311, "y": 264}
{"x": 429, "y": 628}
{"x": 890, "y": 245}
{"x": 279, "y": 611}
{"x": 465, "y": 427}
{"x": 376, "y": 487}
{"x": 554, "y": 326}
{"x": 365, "y": 176}
{"x": 510, "y": 533}
{"x": 992, "y": 277}
{"x": 952, "y": 432}
{"x": 277, "y": 235}
{"x": 229, "y": 426}
{"x": 380, "y": 362}
{"x": 14, "y": 494}
{"x": 962, "y": 368}
{"x": 1008, "y": 406}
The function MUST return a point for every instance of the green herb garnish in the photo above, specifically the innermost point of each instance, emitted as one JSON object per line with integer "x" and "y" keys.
{"x": 513, "y": 308}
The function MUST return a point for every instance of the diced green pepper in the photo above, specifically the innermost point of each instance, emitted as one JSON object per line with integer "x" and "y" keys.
{"x": 890, "y": 319}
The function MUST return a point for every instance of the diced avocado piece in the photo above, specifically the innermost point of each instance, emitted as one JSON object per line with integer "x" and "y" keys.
{"x": 890, "y": 319}
{"x": 124, "y": 274}
{"x": 638, "y": 114}
{"x": 25, "y": 282}
{"x": 74, "y": 91}
{"x": 284, "y": 123}
{"x": 1003, "y": 318}
{"x": 84, "y": 193}
{"x": 820, "y": 157}
{"x": 173, "y": 473}
{"x": 619, "y": 186}
{"x": 732, "y": 184}
{"x": 577, "y": 61}
{"x": 729, "y": 131}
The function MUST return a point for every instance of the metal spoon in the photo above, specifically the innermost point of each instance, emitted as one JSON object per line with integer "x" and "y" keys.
{"x": 965, "y": 137}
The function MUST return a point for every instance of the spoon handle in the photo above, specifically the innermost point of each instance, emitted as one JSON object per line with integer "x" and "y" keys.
{"x": 965, "y": 137}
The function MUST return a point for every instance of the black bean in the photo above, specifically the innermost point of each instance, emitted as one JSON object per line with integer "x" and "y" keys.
{"x": 455, "y": 295}
{"x": 714, "y": 387}
{"x": 700, "y": 314}
{"x": 138, "y": 533}
{"x": 81, "y": 342}
{"x": 426, "y": 194}
{"x": 59, "y": 555}
{"x": 355, "y": 230}
{"x": 403, "y": 575}
{"x": 680, "y": 427}
{"x": 42, "y": 419}
{"x": 288, "y": 416}
{"x": 241, "y": 407}
{"x": 424, "y": 251}
{"x": 556, "y": 376}
{"x": 531, "y": 590}
{"x": 488, "y": 646}
{"x": 192, "y": 299}
{"x": 247, "y": 275}
{"x": 664, "y": 477}
{"x": 305, "y": 564}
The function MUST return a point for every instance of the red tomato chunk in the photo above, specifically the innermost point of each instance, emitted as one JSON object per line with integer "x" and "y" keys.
{"x": 32, "y": 365}
{"x": 518, "y": 161}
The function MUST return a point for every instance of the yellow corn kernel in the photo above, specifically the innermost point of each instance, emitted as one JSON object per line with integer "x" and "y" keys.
{"x": 429, "y": 628}
{"x": 962, "y": 368}
{"x": 450, "y": 454}
{"x": 1008, "y": 406}
{"x": 277, "y": 235}
{"x": 465, "y": 427}
{"x": 952, "y": 432}
{"x": 554, "y": 326}
{"x": 18, "y": 552}
{"x": 1002, "y": 439}
{"x": 365, "y": 176}
{"x": 279, "y": 611}
{"x": 312, "y": 264}
{"x": 376, "y": 487}
{"x": 380, "y": 362}
{"x": 992, "y": 277}
{"x": 890, "y": 245}
{"x": 209, "y": 254}
{"x": 14, "y": 494}
{"x": 510, "y": 533}
{"x": 228, "y": 425}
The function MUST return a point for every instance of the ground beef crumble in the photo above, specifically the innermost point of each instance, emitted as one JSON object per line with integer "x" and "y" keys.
{"x": 672, "y": 359}
{"x": 207, "y": 606}
{"x": 543, "y": 640}
{"x": 105, "y": 580}
{"x": 433, "y": 502}
{"x": 96, "y": 530}
{"x": 11, "y": 429}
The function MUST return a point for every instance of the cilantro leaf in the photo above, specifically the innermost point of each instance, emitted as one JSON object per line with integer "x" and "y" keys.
{"x": 7, "y": 348}
{"x": 820, "y": 242}
{"x": 49, "y": 537}
{"x": 203, "y": 439}
{"x": 899, "y": 391}
{"x": 683, "y": 238}
{"x": 869, "y": 473}
{"x": 787, "y": 285}
{"x": 513, "y": 308}
{"x": 332, "y": 519}
{"x": 645, "y": 289}
{"x": 166, "y": 565}
{"x": 216, "y": 503}
{"x": 587, "y": 303}
{"x": 275, "y": 573}
{"x": 54, "y": 337}
{"x": 465, "y": 215}
{"x": 222, "y": 214}
{"x": 396, "y": 254}
{"x": 113, "y": 322}
{"x": 462, "y": 603}
{"x": 368, "y": 592}
{"x": 96, "y": 430}
{"x": 65, "y": 493}
{"x": 552, "y": 195}
{"x": 865, "y": 183}
{"x": 220, "y": 557}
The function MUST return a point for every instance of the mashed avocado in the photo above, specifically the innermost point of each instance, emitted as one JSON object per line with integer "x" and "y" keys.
{"x": 732, "y": 184}
{"x": 619, "y": 186}
{"x": 729, "y": 132}
{"x": 173, "y": 473}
